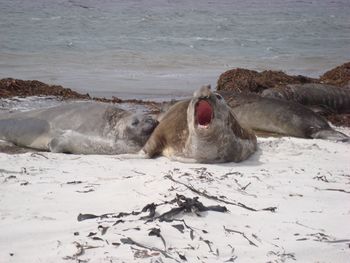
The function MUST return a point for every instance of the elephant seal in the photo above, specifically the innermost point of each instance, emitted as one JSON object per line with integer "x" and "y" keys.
{"x": 80, "y": 128}
{"x": 202, "y": 130}
{"x": 279, "y": 116}
{"x": 329, "y": 97}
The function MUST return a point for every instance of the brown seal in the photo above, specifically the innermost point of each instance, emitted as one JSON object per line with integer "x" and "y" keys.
{"x": 203, "y": 130}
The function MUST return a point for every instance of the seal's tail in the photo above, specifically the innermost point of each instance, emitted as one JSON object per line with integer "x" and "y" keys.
{"x": 332, "y": 135}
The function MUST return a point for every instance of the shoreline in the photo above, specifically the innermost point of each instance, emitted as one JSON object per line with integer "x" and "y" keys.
{"x": 338, "y": 76}
{"x": 244, "y": 80}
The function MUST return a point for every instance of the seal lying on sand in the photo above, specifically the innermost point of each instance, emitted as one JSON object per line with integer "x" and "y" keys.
{"x": 80, "y": 127}
{"x": 327, "y": 96}
{"x": 203, "y": 130}
{"x": 279, "y": 116}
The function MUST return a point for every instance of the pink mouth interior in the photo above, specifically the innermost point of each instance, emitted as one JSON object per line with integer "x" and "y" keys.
{"x": 204, "y": 112}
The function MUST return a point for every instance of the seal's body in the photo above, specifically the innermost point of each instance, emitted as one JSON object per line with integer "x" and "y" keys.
{"x": 280, "y": 116}
{"x": 80, "y": 127}
{"x": 329, "y": 97}
{"x": 203, "y": 130}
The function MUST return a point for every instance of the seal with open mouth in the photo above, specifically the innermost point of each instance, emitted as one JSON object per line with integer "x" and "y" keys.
{"x": 202, "y": 130}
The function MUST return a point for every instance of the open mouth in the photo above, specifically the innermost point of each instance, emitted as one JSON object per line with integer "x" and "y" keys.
{"x": 204, "y": 113}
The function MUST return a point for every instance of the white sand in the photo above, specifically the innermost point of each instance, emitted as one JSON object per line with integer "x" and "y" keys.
{"x": 41, "y": 196}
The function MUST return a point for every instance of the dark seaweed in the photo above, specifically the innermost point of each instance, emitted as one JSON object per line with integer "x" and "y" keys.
{"x": 212, "y": 197}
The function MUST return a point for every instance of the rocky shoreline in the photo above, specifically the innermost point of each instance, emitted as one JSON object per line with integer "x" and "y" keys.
{"x": 240, "y": 80}
{"x": 10, "y": 87}
{"x": 245, "y": 80}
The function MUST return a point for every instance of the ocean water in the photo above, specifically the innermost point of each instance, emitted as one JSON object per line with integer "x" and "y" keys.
{"x": 156, "y": 49}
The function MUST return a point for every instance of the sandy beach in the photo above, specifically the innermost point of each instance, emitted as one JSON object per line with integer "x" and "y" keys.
{"x": 288, "y": 203}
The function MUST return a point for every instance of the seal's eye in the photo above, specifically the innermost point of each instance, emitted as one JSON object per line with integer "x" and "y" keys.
{"x": 135, "y": 122}
{"x": 218, "y": 96}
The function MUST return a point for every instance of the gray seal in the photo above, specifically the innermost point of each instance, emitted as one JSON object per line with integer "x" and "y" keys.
{"x": 79, "y": 127}
{"x": 279, "y": 116}
{"x": 202, "y": 130}
{"x": 329, "y": 97}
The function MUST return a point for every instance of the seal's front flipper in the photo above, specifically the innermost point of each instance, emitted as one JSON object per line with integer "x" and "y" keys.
{"x": 128, "y": 156}
{"x": 74, "y": 142}
{"x": 60, "y": 144}
{"x": 322, "y": 110}
{"x": 183, "y": 159}
{"x": 331, "y": 135}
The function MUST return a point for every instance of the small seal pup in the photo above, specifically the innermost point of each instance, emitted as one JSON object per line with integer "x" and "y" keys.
{"x": 280, "y": 116}
{"x": 202, "y": 130}
{"x": 329, "y": 97}
{"x": 80, "y": 128}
